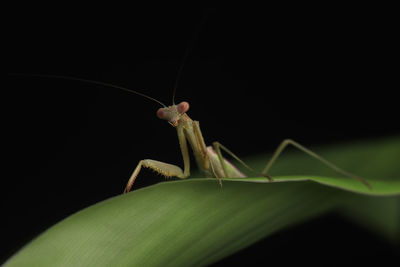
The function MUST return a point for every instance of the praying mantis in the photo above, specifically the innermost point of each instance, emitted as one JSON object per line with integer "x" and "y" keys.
{"x": 209, "y": 159}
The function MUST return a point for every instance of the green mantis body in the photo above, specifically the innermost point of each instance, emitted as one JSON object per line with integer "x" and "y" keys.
{"x": 209, "y": 159}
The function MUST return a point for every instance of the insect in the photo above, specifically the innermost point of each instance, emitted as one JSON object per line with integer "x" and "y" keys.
{"x": 209, "y": 159}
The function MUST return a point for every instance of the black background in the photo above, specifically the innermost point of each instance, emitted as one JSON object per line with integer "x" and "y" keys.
{"x": 253, "y": 77}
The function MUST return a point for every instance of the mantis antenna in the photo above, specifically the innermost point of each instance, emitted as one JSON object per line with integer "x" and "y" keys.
{"x": 187, "y": 52}
{"x": 89, "y": 81}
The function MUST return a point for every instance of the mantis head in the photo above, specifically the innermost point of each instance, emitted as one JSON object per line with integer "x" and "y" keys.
{"x": 173, "y": 113}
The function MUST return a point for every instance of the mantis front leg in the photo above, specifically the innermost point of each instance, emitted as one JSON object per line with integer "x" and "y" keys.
{"x": 166, "y": 169}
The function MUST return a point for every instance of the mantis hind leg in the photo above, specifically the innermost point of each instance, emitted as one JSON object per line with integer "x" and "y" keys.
{"x": 287, "y": 142}
{"x": 218, "y": 147}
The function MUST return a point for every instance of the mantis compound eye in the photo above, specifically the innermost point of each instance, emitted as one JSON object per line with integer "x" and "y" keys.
{"x": 183, "y": 107}
{"x": 161, "y": 113}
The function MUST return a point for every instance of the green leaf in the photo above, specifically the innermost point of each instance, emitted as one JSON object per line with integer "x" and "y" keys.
{"x": 196, "y": 222}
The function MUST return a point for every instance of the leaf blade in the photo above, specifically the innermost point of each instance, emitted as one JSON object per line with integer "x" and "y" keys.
{"x": 195, "y": 222}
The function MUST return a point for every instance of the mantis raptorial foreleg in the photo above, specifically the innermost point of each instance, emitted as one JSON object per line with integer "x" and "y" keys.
{"x": 166, "y": 169}
{"x": 287, "y": 142}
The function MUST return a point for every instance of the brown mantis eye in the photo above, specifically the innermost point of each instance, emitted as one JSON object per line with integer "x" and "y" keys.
{"x": 161, "y": 113}
{"x": 183, "y": 107}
